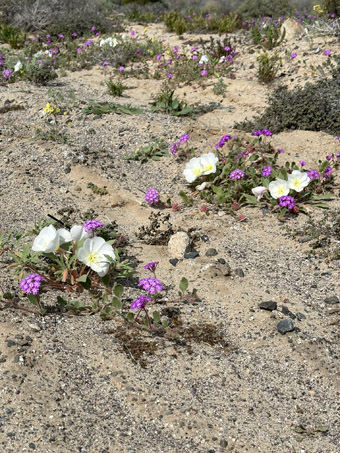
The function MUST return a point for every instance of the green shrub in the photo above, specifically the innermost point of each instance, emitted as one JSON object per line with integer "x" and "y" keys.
{"x": 261, "y": 8}
{"x": 331, "y": 6}
{"x": 12, "y": 36}
{"x": 314, "y": 107}
{"x": 39, "y": 73}
{"x": 115, "y": 88}
{"x": 268, "y": 67}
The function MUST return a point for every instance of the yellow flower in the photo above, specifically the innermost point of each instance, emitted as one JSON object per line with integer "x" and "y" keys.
{"x": 48, "y": 108}
{"x": 153, "y": 39}
{"x": 145, "y": 29}
{"x": 318, "y": 9}
{"x": 168, "y": 51}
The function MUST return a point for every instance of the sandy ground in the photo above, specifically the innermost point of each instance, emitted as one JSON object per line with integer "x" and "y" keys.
{"x": 231, "y": 381}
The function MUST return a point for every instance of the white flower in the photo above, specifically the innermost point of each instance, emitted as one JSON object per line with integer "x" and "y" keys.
{"x": 76, "y": 233}
{"x": 112, "y": 42}
{"x": 278, "y": 188}
{"x": 222, "y": 59}
{"x": 93, "y": 252}
{"x": 193, "y": 169}
{"x": 201, "y": 186}
{"x": 204, "y": 59}
{"x": 208, "y": 162}
{"x": 47, "y": 240}
{"x": 259, "y": 191}
{"x": 18, "y": 66}
{"x": 298, "y": 180}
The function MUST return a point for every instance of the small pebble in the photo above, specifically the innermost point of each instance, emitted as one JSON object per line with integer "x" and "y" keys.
{"x": 286, "y": 325}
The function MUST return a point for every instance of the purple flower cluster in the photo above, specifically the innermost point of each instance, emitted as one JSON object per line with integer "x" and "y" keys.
{"x": 223, "y": 140}
{"x": 92, "y": 225}
{"x": 31, "y": 284}
{"x": 263, "y": 132}
{"x": 267, "y": 171}
{"x": 287, "y": 202}
{"x": 151, "y": 196}
{"x": 302, "y": 163}
{"x": 176, "y": 145}
{"x": 6, "y": 73}
{"x": 140, "y": 302}
{"x": 236, "y": 174}
{"x": 313, "y": 174}
{"x": 327, "y": 172}
{"x": 151, "y": 266}
{"x": 151, "y": 284}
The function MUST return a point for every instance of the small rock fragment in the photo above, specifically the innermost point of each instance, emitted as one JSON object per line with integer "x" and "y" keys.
{"x": 332, "y": 300}
{"x": 178, "y": 244}
{"x": 286, "y": 325}
{"x": 191, "y": 255}
{"x": 268, "y": 305}
{"x": 211, "y": 252}
{"x": 239, "y": 272}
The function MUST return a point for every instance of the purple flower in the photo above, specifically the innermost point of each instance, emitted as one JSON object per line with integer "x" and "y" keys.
{"x": 132, "y": 32}
{"x": 257, "y": 133}
{"x": 327, "y": 52}
{"x": 74, "y": 35}
{"x": 236, "y": 174}
{"x": 170, "y": 75}
{"x": 151, "y": 284}
{"x": 313, "y": 174}
{"x": 174, "y": 148}
{"x": 79, "y": 50}
{"x": 193, "y": 49}
{"x": 151, "y": 196}
{"x": 329, "y": 157}
{"x": 293, "y": 55}
{"x": 227, "y": 48}
{"x": 158, "y": 57}
{"x": 267, "y": 132}
{"x": 92, "y": 225}
{"x": 280, "y": 150}
{"x": 151, "y": 266}
{"x": 194, "y": 57}
{"x": 31, "y": 284}
{"x": 302, "y": 163}
{"x": 140, "y": 302}
{"x": 121, "y": 68}
{"x": 204, "y": 72}
{"x": 93, "y": 28}
{"x": 184, "y": 138}
{"x": 267, "y": 171}
{"x": 327, "y": 172}
{"x": 223, "y": 140}
{"x": 287, "y": 202}
{"x": 7, "y": 73}
{"x": 61, "y": 36}
{"x": 105, "y": 63}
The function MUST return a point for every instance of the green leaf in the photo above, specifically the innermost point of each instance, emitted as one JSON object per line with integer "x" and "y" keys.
{"x": 86, "y": 284}
{"x": 61, "y": 301}
{"x": 106, "y": 280}
{"x": 165, "y": 323}
{"x": 156, "y": 316}
{"x": 250, "y": 198}
{"x": 323, "y": 166}
{"x": 183, "y": 284}
{"x": 118, "y": 290}
{"x": 32, "y": 298}
{"x": 82, "y": 278}
{"x": 321, "y": 205}
{"x": 326, "y": 196}
{"x": 130, "y": 316}
{"x": 117, "y": 303}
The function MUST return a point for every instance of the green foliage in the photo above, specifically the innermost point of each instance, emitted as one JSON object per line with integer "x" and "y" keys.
{"x": 115, "y": 88}
{"x": 39, "y": 73}
{"x": 175, "y": 22}
{"x": 331, "y": 6}
{"x": 268, "y": 67}
{"x": 12, "y": 36}
{"x": 98, "y": 108}
{"x": 219, "y": 88}
{"x": 264, "y": 8}
{"x": 314, "y": 107}
{"x": 154, "y": 151}
{"x": 271, "y": 36}
{"x": 166, "y": 103}
{"x": 97, "y": 190}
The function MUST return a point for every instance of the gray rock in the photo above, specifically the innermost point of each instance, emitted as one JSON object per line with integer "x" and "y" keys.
{"x": 300, "y": 316}
{"x": 174, "y": 261}
{"x": 285, "y": 310}
{"x": 286, "y": 325}
{"x": 211, "y": 252}
{"x": 268, "y": 305}
{"x": 216, "y": 270}
{"x": 239, "y": 272}
{"x": 332, "y": 300}
{"x": 178, "y": 244}
{"x": 191, "y": 255}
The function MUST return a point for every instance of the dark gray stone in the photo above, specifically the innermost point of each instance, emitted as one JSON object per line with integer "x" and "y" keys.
{"x": 11, "y": 343}
{"x": 285, "y": 310}
{"x": 286, "y": 325}
{"x": 211, "y": 252}
{"x": 239, "y": 272}
{"x": 32, "y": 445}
{"x": 300, "y": 316}
{"x": 191, "y": 255}
{"x": 268, "y": 305}
{"x": 332, "y": 300}
{"x": 174, "y": 261}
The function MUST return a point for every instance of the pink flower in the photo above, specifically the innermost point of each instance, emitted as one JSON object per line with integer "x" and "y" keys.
{"x": 327, "y": 52}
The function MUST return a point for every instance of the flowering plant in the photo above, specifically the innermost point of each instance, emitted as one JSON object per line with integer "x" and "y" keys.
{"x": 70, "y": 260}
{"x": 247, "y": 172}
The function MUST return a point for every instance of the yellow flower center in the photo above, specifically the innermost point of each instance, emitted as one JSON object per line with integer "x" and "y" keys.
{"x": 280, "y": 191}
{"x": 208, "y": 167}
{"x": 92, "y": 258}
{"x": 297, "y": 183}
{"x": 197, "y": 171}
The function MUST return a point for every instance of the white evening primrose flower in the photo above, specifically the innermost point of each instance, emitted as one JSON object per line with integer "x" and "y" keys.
{"x": 208, "y": 162}
{"x": 201, "y": 186}
{"x": 204, "y": 59}
{"x": 298, "y": 180}
{"x": 47, "y": 240}
{"x": 259, "y": 191}
{"x": 18, "y": 66}
{"x": 93, "y": 252}
{"x": 278, "y": 188}
{"x": 76, "y": 233}
{"x": 112, "y": 42}
{"x": 193, "y": 169}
